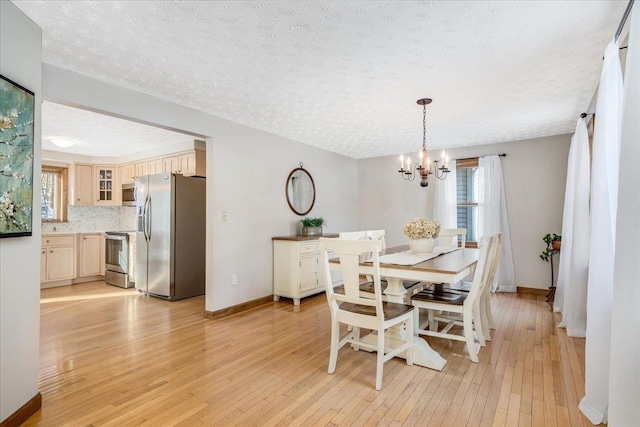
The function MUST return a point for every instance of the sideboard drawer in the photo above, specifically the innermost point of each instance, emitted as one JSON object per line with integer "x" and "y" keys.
{"x": 308, "y": 247}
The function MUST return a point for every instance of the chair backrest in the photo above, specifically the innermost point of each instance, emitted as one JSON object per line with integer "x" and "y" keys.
{"x": 483, "y": 267}
{"x": 353, "y": 235}
{"x": 449, "y": 237}
{"x": 347, "y": 253}
{"x": 495, "y": 260}
{"x": 377, "y": 235}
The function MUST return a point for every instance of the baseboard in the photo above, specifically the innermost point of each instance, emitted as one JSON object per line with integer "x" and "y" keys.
{"x": 68, "y": 282}
{"x": 24, "y": 412}
{"x": 534, "y": 291}
{"x": 218, "y": 314}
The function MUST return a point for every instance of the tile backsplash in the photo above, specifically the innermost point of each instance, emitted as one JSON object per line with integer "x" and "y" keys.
{"x": 94, "y": 218}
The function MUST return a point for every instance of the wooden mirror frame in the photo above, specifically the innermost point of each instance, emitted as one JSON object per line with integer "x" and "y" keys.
{"x": 286, "y": 191}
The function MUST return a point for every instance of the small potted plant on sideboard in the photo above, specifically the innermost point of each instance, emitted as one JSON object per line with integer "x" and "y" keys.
{"x": 553, "y": 242}
{"x": 312, "y": 226}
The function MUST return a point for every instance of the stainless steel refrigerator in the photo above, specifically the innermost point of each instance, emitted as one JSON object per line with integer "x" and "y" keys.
{"x": 170, "y": 235}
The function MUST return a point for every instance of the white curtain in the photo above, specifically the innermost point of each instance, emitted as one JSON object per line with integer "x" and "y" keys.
{"x": 571, "y": 294}
{"x": 624, "y": 376}
{"x": 604, "y": 203}
{"x": 445, "y": 207}
{"x": 492, "y": 218}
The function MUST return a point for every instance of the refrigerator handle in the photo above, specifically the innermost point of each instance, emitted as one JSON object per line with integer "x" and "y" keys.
{"x": 148, "y": 218}
{"x": 145, "y": 216}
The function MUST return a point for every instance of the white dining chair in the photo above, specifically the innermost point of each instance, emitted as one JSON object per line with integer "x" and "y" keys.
{"x": 485, "y": 302}
{"x": 358, "y": 312}
{"x": 440, "y": 304}
{"x": 352, "y": 235}
{"x": 377, "y": 235}
{"x": 451, "y": 237}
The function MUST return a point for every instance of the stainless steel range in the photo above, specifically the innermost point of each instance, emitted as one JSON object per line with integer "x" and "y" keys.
{"x": 120, "y": 258}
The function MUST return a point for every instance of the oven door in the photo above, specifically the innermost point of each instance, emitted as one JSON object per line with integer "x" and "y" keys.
{"x": 116, "y": 253}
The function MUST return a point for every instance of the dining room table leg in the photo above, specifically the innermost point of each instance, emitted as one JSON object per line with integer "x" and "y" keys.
{"x": 423, "y": 354}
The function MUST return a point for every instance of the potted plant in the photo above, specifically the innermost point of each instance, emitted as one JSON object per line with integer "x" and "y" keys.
{"x": 553, "y": 242}
{"x": 312, "y": 226}
{"x": 422, "y": 233}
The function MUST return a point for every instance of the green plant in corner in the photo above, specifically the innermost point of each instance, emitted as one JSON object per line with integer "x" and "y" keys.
{"x": 313, "y": 222}
{"x": 549, "y": 239}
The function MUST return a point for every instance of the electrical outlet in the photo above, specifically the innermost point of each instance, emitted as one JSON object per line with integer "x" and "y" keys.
{"x": 234, "y": 280}
{"x": 224, "y": 215}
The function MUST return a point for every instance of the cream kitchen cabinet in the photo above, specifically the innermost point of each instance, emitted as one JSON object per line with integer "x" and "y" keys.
{"x": 188, "y": 163}
{"x": 96, "y": 185}
{"x": 91, "y": 256}
{"x": 58, "y": 257}
{"x": 297, "y": 270}
{"x": 125, "y": 173}
{"x": 155, "y": 166}
{"x": 83, "y": 184}
{"x": 105, "y": 184}
{"x": 141, "y": 169}
{"x": 170, "y": 164}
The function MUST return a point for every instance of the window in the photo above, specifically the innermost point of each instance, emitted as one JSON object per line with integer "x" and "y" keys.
{"x": 54, "y": 193}
{"x": 467, "y": 197}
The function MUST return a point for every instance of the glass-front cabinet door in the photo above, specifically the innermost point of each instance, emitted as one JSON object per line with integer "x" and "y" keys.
{"x": 105, "y": 185}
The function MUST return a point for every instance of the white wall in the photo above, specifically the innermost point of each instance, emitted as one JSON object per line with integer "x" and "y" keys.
{"x": 20, "y": 56}
{"x": 535, "y": 174}
{"x": 246, "y": 174}
{"x": 248, "y": 170}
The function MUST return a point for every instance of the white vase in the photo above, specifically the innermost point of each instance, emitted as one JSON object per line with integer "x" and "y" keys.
{"x": 422, "y": 246}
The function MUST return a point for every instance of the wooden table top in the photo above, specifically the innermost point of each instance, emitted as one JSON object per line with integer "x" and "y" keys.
{"x": 451, "y": 263}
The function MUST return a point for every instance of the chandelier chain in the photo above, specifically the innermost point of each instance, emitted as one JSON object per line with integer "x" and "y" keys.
{"x": 424, "y": 126}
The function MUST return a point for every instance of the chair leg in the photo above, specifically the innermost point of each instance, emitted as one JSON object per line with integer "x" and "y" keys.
{"x": 409, "y": 329}
{"x": 356, "y": 336}
{"x": 487, "y": 300}
{"x": 380, "y": 359}
{"x": 486, "y": 329}
{"x": 468, "y": 337}
{"x": 335, "y": 342}
{"x": 478, "y": 325}
{"x": 433, "y": 324}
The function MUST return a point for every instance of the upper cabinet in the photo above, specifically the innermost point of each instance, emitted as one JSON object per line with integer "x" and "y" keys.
{"x": 192, "y": 163}
{"x": 96, "y": 185}
{"x": 102, "y": 184}
{"x": 188, "y": 163}
{"x": 105, "y": 185}
{"x": 84, "y": 184}
{"x": 170, "y": 164}
{"x": 155, "y": 166}
{"x": 141, "y": 169}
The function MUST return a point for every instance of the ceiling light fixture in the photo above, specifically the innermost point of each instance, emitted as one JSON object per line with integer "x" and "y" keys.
{"x": 424, "y": 167}
{"x": 62, "y": 142}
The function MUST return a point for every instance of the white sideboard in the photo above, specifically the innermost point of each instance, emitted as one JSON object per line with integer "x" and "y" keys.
{"x": 297, "y": 269}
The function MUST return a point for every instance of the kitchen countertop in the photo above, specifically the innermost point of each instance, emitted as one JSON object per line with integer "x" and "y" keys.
{"x": 58, "y": 233}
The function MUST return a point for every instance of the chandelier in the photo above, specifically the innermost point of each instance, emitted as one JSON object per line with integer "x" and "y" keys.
{"x": 424, "y": 167}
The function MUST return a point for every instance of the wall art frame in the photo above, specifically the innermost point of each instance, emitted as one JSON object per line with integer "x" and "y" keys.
{"x": 17, "y": 116}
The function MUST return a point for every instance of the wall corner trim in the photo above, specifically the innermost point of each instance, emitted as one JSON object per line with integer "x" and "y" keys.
{"x": 24, "y": 412}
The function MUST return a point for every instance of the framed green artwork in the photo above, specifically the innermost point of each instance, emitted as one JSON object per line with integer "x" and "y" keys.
{"x": 17, "y": 107}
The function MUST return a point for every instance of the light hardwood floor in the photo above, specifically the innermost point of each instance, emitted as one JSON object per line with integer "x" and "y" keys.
{"x": 113, "y": 357}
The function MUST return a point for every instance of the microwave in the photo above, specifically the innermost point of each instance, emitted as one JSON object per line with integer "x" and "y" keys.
{"x": 129, "y": 194}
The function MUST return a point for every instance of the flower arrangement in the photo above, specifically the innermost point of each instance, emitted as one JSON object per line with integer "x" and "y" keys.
{"x": 422, "y": 228}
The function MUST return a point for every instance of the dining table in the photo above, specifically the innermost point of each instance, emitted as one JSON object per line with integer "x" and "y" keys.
{"x": 449, "y": 267}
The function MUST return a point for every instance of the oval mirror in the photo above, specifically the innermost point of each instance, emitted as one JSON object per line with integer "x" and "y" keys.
{"x": 301, "y": 191}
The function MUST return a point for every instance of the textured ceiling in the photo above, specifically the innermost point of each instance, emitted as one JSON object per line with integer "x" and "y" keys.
{"x": 345, "y": 76}
{"x": 100, "y": 135}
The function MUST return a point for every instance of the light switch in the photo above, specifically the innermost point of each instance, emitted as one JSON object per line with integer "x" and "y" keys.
{"x": 224, "y": 215}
